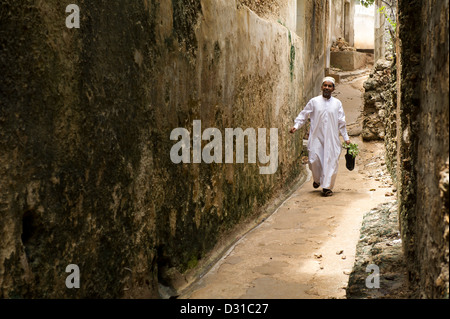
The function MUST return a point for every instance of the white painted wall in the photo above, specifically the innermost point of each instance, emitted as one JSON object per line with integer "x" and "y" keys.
{"x": 364, "y": 27}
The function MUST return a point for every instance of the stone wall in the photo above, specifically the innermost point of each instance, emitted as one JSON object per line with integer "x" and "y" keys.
{"x": 379, "y": 244}
{"x": 380, "y": 110}
{"x": 86, "y": 118}
{"x": 376, "y": 90}
{"x": 390, "y": 121}
{"x": 423, "y": 142}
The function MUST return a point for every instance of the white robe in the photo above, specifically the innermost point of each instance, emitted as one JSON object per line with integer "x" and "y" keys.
{"x": 324, "y": 147}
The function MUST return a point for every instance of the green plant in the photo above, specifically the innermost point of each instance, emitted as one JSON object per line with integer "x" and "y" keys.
{"x": 291, "y": 52}
{"x": 291, "y": 56}
{"x": 352, "y": 148}
{"x": 391, "y": 22}
{"x": 367, "y": 3}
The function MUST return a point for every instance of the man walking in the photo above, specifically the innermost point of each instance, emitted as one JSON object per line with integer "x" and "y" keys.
{"x": 324, "y": 147}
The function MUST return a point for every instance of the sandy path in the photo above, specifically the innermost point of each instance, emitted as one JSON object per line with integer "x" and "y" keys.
{"x": 306, "y": 249}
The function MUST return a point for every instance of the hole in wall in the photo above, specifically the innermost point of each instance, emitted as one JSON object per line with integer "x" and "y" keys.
{"x": 165, "y": 287}
{"x": 162, "y": 262}
{"x": 28, "y": 227}
{"x": 31, "y": 233}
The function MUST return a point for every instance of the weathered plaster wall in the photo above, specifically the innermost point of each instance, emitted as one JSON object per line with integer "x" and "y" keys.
{"x": 86, "y": 116}
{"x": 348, "y": 60}
{"x": 314, "y": 50}
{"x": 342, "y": 22}
{"x": 423, "y": 142}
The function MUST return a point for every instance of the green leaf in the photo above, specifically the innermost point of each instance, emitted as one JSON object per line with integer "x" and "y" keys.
{"x": 352, "y": 148}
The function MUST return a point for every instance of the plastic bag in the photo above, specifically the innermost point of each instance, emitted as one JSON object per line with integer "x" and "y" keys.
{"x": 350, "y": 161}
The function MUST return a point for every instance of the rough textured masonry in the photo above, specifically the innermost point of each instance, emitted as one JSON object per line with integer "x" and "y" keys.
{"x": 376, "y": 96}
{"x": 379, "y": 244}
{"x": 86, "y": 116}
{"x": 423, "y": 142}
{"x": 380, "y": 110}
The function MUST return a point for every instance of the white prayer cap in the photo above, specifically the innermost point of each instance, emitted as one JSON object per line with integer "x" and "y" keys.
{"x": 329, "y": 79}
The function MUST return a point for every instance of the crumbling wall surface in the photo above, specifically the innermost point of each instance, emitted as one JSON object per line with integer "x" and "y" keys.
{"x": 275, "y": 10}
{"x": 375, "y": 99}
{"x": 86, "y": 117}
{"x": 379, "y": 110}
{"x": 423, "y": 134}
{"x": 265, "y": 8}
{"x": 75, "y": 123}
{"x": 390, "y": 121}
{"x": 379, "y": 245}
{"x": 433, "y": 151}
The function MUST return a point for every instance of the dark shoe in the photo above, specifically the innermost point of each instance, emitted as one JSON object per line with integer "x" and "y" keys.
{"x": 316, "y": 185}
{"x": 327, "y": 192}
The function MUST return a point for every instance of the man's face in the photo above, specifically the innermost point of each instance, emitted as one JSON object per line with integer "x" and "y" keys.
{"x": 327, "y": 89}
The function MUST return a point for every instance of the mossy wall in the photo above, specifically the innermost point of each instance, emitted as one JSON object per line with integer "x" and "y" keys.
{"x": 423, "y": 142}
{"x": 86, "y": 116}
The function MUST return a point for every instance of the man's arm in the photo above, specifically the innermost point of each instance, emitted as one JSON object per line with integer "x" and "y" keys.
{"x": 302, "y": 117}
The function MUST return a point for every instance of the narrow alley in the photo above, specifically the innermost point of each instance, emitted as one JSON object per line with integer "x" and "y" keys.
{"x": 154, "y": 150}
{"x": 306, "y": 248}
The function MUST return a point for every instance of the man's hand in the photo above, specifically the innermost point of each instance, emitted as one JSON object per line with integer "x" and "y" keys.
{"x": 292, "y": 131}
{"x": 348, "y": 142}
